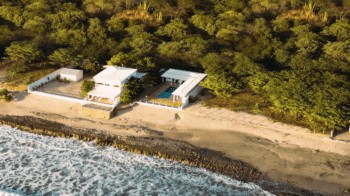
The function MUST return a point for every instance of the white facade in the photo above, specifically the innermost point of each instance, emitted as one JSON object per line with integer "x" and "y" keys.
{"x": 109, "y": 83}
{"x": 114, "y": 76}
{"x": 73, "y": 75}
{"x": 188, "y": 83}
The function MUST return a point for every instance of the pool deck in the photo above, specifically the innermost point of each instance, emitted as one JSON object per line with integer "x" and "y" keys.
{"x": 162, "y": 89}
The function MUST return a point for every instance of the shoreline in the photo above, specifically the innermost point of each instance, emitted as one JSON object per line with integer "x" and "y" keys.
{"x": 159, "y": 147}
{"x": 283, "y": 153}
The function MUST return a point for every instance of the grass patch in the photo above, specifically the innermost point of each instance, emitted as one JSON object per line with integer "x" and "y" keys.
{"x": 20, "y": 81}
{"x": 141, "y": 13}
{"x": 307, "y": 13}
{"x": 246, "y": 102}
{"x": 166, "y": 102}
{"x": 254, "y": 104}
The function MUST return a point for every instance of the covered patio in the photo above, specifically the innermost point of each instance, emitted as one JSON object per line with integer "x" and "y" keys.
{"x": 102, "y": 93}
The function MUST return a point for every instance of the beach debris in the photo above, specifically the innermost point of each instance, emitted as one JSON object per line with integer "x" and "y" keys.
{"x": 177, "y": 116}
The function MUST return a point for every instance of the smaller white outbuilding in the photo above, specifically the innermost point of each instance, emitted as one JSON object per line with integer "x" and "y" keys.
{"x": 73, "y": 75}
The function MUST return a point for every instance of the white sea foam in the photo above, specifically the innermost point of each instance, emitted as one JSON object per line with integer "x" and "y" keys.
{"x": 32, "y": 164}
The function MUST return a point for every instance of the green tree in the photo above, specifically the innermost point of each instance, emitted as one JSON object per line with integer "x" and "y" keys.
{"x": 244, "y": 66}
{"x": 75, "y": 38}
{"x": 188, "y": 50}
{"x": 307, "y": 41}
{"x": 67, "y": 19}
{"x": 176, "y": 29}
{"x": 120, "y": 59}
{"x": 226, "y": 5}
{"x": 310, "y": 95}
{"x": 12, "y": 14}
{"x": 6, "y": 34}
{"x": 230, "y": 25}
{"x": 220, "y": 79}
{"x": 104, "y": 7}
{"x": 130, "y": 90}
{"x": 204, "y": 22}
{"x": 338, "y": 50}
{"x": 36, "y": 25}
{"x": 96, "y": 32}
{"x": 261, "y": 44}
{"x": 65, "y": 57}
{"x": 281, "y": 24}
{"x": 340, "y": 29}
{"x": 143, "y": 43}
{"x": 115, "y": 24}
{"x": 24, "y": 52}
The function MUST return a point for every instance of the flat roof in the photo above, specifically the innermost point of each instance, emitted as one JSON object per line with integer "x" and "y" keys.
{"x": 111, "y": 74}
{"x": 67, "y": 71}
{"x": 192, "y": 79}
{"x": 105, "y": 92}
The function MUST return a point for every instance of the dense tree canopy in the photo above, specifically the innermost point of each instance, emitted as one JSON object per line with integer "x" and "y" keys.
{"x": 293, "y": 53}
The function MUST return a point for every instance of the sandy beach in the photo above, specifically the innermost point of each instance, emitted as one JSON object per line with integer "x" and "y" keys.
{"x": 283, "y": 152}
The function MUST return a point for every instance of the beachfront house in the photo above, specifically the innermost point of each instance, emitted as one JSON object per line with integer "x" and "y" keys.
{"x": 184, "y": 84}
{"x": 109, "y": 83}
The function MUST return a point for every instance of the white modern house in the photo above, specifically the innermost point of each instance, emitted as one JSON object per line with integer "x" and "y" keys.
{"x": 109, "y": 83}
{"x": 187, "y": 81}
{"x": 73, "y": 75}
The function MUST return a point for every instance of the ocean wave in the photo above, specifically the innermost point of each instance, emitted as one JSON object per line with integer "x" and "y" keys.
{"x": 33, "y": 164}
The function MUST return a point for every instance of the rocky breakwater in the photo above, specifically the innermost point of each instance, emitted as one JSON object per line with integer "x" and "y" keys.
{"x": 156, "y": 146}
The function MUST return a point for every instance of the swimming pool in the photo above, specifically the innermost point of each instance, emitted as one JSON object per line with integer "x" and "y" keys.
{"x": 167, "y": 93}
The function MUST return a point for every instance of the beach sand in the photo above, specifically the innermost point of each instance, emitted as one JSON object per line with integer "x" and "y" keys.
{"x": 283, "y": 152}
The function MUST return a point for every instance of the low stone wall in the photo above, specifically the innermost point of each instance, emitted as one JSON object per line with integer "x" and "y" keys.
{"x": 91, "y": 112}
{"x": 61, "y": 97}
{"x": 158, "y": 105}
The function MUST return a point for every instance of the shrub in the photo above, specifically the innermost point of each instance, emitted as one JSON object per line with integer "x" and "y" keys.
{"x": 193, "y": 99}
{"x": 5, "y": 95}
{"x": 86, "y": 87}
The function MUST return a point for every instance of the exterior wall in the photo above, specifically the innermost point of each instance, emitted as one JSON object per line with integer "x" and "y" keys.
{"x": 80, "y": 75}
{"x": 196, "y": 91}
{"x": 193, "y": 93}
{"x": 106, "y": 83}
{"x": 185, "y": 101}
{"x": 31, "y": 87}
{"x": 73, "y": 78}
{"x": 117, "y": 101}
{"x": 159, "y": 106}
{"x": 96, "y": 113}
{"x": 70, "y": 99}
{"x": 69, "y": 77}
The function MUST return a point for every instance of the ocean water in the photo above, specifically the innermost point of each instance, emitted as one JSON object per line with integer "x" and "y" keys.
{"x": 41, "y": 165}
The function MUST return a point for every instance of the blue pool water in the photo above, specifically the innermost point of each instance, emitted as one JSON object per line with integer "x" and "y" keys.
{"x": 167, "y": 93}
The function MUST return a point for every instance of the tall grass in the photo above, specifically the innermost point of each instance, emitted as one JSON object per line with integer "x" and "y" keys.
{"x": 141, "y": 12}
{"x": 306, "y": 12}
